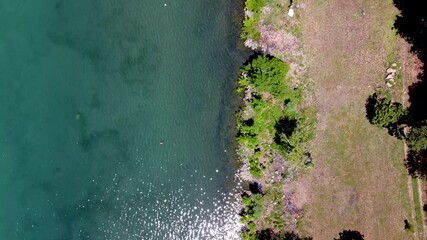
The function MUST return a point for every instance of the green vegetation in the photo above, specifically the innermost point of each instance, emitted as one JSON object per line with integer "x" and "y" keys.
{"x": 296, "y": 30}
{"x": 266, "y": 75}
{"x": 277, "y": 218}
{"x": 251, "y": 22}
{"x": 271, "y": 122}
{"x": 273, "y": 129}
{"x": 383, "y": 112}
{"x": 417, "y": 138}
{"x": 272, "y": 126}
{"x": 418, "y": 208}
{"x": 253, "y": 208}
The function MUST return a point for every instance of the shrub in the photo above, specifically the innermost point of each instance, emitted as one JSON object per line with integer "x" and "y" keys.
{"x": 253, "y": 208}
{"x": 268, "y": 75}
{"x": 273, "y": 120}
{"x": 417, "y": 138}
{"x": 250, "y": 29}
{"x": 382, "y": 112}
{"x": 254, "y": 167}
{"x": 251, "y": 22}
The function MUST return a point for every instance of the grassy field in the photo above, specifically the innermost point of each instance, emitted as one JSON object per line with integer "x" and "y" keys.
{"x": 418, "y": 208}
{"x": 359, "y": 181}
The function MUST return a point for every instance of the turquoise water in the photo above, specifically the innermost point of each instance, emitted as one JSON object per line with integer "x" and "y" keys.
{"x": 115, "y": 119}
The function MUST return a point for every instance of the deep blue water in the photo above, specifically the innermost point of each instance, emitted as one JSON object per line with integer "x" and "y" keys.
{"x": 116, "y": 119}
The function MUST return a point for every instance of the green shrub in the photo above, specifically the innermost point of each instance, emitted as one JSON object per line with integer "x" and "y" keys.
{"x": 250, "y": 23}
{"x": 275, "y": 120}
{"x": 250, "y": 29}
{"x": 254, "y": 167}
{"x": 268, "y": 75}
{"x": 382, "y": 112}
{"x": 417, "y": 138}
{"x": 253, "y": 207}
{"x": 255, "y": 5}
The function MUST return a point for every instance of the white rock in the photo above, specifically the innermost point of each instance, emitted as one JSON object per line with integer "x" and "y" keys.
{"x": 291, "y": 12}
{"x": 390, "y": 76}
{"x": 391, "y": 70}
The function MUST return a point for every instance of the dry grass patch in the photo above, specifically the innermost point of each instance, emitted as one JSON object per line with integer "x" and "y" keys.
{"x": 359, "y": 181}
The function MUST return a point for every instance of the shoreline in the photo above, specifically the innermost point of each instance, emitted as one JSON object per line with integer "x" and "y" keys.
{"x": 349, "y": 153}
{"x": 275, "y": 123}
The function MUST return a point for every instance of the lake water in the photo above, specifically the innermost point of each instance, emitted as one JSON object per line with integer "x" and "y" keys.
{"x": 116, "y": 119}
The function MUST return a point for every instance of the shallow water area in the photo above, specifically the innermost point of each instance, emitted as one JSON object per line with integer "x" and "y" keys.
{"x": 115, "y": 120}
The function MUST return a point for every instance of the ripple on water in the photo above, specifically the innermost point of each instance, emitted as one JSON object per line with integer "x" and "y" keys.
{"x": 148, "y": 212}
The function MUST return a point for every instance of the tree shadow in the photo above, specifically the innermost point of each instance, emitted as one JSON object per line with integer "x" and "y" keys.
{"x": 370, "y": 107}
{"x": 268, "y": 234}
{"x": 350, "y": 235}
{"x": 411, "y": 24}
{"x": 284, "y": 127}
{"x": 249, "y": 122}
{"x": 408, "y": 226}
{"x": 255, "y": 55}
{"x": 255, "y": 188}
{"x": 416, "y": 163}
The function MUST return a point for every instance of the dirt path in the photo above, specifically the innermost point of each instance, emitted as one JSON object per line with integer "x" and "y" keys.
{"x": 405, "y": 147}
{"x": 409, "y": 76}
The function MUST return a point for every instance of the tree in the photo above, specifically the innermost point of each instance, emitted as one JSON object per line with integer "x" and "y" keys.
{"x": 417, "y": 138}
{"x": 382, "y": 112}
{"x": 267, "y": 74}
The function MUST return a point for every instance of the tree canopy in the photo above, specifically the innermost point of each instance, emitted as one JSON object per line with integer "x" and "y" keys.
{"x": 382, "y": 112}
{"x": 417, "y": 138}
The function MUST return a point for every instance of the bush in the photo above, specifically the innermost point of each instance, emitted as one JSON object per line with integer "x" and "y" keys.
{"x": 253, "y": 208}
{"x": 250, "y": 23}
{"x": 255, "y": 167}
{"x": 271, "y": 119}
{"x": 250, "y": 29}
{"x": 382, "y": 112}
{"x": 417, "y": 138}
{"x": 268, "y": 75}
